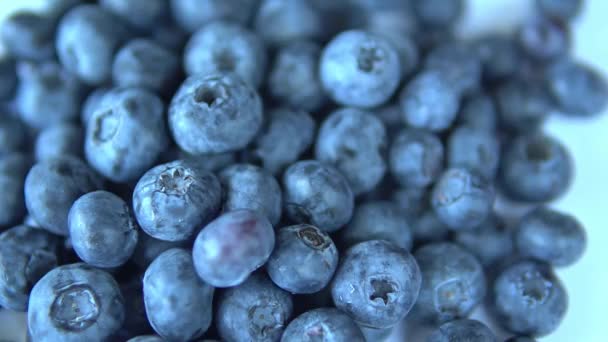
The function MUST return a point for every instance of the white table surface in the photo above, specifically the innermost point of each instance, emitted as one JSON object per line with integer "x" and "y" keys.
{"x": 587, "y": 281}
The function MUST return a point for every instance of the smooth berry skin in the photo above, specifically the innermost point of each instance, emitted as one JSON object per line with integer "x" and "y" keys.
{"x": 13, "y": 170}
{"x": 523, "y": 105}
{"x": 215, "y": 114}
{"x": 373, "y": 335}
{"x": 87, "y": 38}
{"x": 285, "y": 137}
{"x": 210, "y": 162}
{"x": 90, "y": 104}
{"x": 102, "y": 229}
{"x": 172, "y": 201}
{"x": 463, "y": 330}
{"x": 491, "y": 241}
{"x": 551, "y": 236}
{"x": 178, "y": 303}
{"x": 479, "y": 111}
{"x": 293, "y": 79}
{"x": 544, "y": 39}
{"x": 250, "y": 187}
{"x": 146, "y": 338}
{"x": 459, "y": 62}
{"x": 377, "y": 283}
{"x": 378, "y": 220}
{"x": 146, "y": 64}
{"x": 437, "y": 13}
{"x": 126, "y": 134}
{"x": 474, "y": 149}
{"x": 453, "y": 283}
{"x": 256, "y": 310}
{"x": 563, "y": 10}
{"x": 8, "y": 78}
{"x": 232, "y": 246}
{"x": 500, "y": 56}
{"x": 536, "y": 168}
{"x": 47, "y": 94}
{"x": 328, "y": 323}
{"x": 304, "y": 259}
{"x": 280, "y": 22}
{"x": 416, "y": 158}
{"x": 170, "y": 36}
{"x": 148, "y": 248}
{"x": 529, "y": 299}
{"x": 354, "y": 142}
{"x": 75, "y": 302}
{"x": 48, "y": 207}
{"x": 28, "y": 36}
{"x": 359, "y": 69}
{"x": 193, "y": 14}
{"x": 429, "y": 101}
{"x": 318, "y": 194}
{"x": 410, "y": 201}
{"x": 141, "y": 14}
{"x": 226, "y": 47}
{"x": 427, "y": 227}
{"x": 58, "y": 140}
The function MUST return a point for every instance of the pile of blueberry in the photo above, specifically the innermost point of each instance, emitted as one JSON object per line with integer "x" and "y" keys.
{"x": 285, "y": 170}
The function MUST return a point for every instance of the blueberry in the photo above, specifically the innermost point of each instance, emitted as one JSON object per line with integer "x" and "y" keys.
{"x": 416, "y": 158}
{"x": 172, "y": 201}
{"x": 75, "y": 302}
{"x": 360, "y": 69}
{"x": 438, "y": 13}
{"x": 544, "y": 39}
{"x": 463, "y": 330}
{"x": 102, "y": 229}
{"x": 551, "y": 236}
{"x": 193, "y": 14}
{"x": 250, "y": 187}
{"x": 144, "y": 63}
{"x": 47, "y": 94}
{"x": 126, "y": 134}
{"x": 28, "y": 36}
{"x": 563, "y": 10}
{"x": 142, "y": 14}
{"x": 523, "y": 105}
{"x": 430, "y": 101}
{"x": 214, "y": 114}
{"x": 58, "y": 140}
{"x": 29, "y": 239}
{"x": 578, "y": 89}
{"x": 293, "y": 78}
{"x": 520, "y": 339}
{"x": 536, "y": 168}
{"x": 500, "y": 56}
{"x": 87, "y": 38}
{"x": 323, "y": 324}
{"x": 256, "y": 310}
{"x": 462, "y": 199}
{"x": 304, "y": 259}
{"x": 91, "y": 103}
{"x": 491, "y": 242}
{"x": 453, "y": 283}
{"x": 279, "y": 22}
{"x": 170, "y": 36}
{"x": 479, "y": 111}
{"x": 354, "y": 142}
{"x": 48, "y": 206}
{"x": 146, "y": 338}
{"x": 286, "y": 135}
{"x": 427, "y": 227}
{"x": 391, "y": 117}
{"x": 529, "y": 299}
{"x": 459, "y": 63}
{"x": 136, "y": 321}
{"x": 148, "y": 248}
{"x": 317, "y": 194}
{"x": 210, "y": 162}
{"x": 376, "y": 335}
{"x": 378, "y": 220}
{"x": 226, "y": 47}
{"x": 377, "y": 283}
{"x": 178, "y": 303}
{"x": 13, "y": 135}
{"x": 13, "y": 170}
{"x": 410, "y": 201}
{"x": 232, "y": 246}
{"x": 8, "y": 78}
{"x": 475, "y": 149}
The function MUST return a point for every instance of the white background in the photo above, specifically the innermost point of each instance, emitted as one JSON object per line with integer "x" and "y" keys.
{"x": 587, "y": 281}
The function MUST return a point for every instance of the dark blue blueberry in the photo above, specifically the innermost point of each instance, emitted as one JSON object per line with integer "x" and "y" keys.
{"x": 144, "y": 63}
{"x": 170, "y": 36}
{"x": 256, "y": 310}
{"x": 479, "y": 111}
{"x": 430, "y": 101}
{"x": 360, "y": 69}
{"x": 463, "y": 330}
{"x": 226, "y": 47}
{"x": 523, "y": 105}
{"x": 378, "y": 220}
{"x": 48, "y": 206}
{"x": 136, "y": 321}
{"x": 146, "y": 338}
{"x": 91, "y": 103}
{"x": 304, "y": 259}
{"x": 427, "y": 227}
{"x": 323, "y": 324}
{"x": 173, "y": 201}
{"x": 178, "y": 303}
{"x": 148, "y": 248}
{"x": 500, "y": 56}
{"x": 475, "y": 149}
{"x": 210, "y": 162}
{"x": 232, "y": 246}
{"x": 544, "y": 39}
{"x": 462, "y": 199}
{"x": 29, "y": 36}
{"x": 193, "y": 14}
{"x": 141, "y": 14}
{"x": 87, "y": 38}
{"x": 529, "y": 299}
{"x": 75, "y": 302}
{"x": 416, "y": 158}
{"x": 438, "y": 13}
{"x": 102, "y": 229}
{"x": 8, "y": 78}
{"x": 280, "y": 22}
{"x": 13, "y": 135}
{"x": 354, "y": 141}
{"x": 563, "y": 10}
{"x": 47, "y": 94}
{"x": 126, "y": 134}
{"x": 491, "y": 242}
{"x": 58, "y": 8}
{"x": 536, "y": 168}
{"x": 58, "y": 140}
{"x": 410, "y": 201}
{"x": 215, "y": 114}
{"x": 377, "y": 283}
{"x": 578, "y": 89}
{"x": 247, "y": 186}
{"x": 286, "y": 135}
{"x": 293, "y": 79}
{"x": 459, "y": 63}
{"x": 391, "y": 117}
{"x": 551, "y": 236}
{"x": 317, "y": 194}
{"x": 29, "y": 239}
{"x": 520, "y": 339}
{"x": 453, "y": 283}
{"x": 376, "y": 335}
